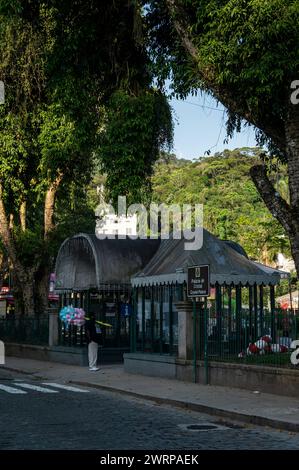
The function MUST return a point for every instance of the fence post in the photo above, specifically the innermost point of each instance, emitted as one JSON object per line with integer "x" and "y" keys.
{"x": 206, "y": 342}
{"x": 272, "y": 303}
{"x": 194, "y": 341}
{"x": 185, "y": 329}
{"x": 53, "y": 326}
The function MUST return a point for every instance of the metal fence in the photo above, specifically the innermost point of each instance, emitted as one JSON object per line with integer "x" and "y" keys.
{"x": 26, "y": 330}
{"x": 71, "y": 335}
{"x": 246, "y": 337}
{"x": 118, "y": 335}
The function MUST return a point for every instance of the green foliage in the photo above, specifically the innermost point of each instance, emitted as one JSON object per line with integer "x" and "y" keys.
{"x": 137, "y": 128}
{"x": 61, "y": 62}
{"x": 75, "y": 213}
{"x": 233, "y": 210}
{"x": 247, "y": 55}
{"x": 30, "y": 246}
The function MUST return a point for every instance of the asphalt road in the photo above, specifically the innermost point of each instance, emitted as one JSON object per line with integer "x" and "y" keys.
{"x": 39, "y": 415}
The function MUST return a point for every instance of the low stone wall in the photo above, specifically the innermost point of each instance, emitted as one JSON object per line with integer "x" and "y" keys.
{"x": 63, "y": 354}
{"x": 249, "y": 377}
{"x": 265, "y": 379}
{"x": 155, "y": 365}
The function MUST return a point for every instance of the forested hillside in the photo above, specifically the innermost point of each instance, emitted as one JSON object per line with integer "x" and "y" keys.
{"x": 233, "y": 208}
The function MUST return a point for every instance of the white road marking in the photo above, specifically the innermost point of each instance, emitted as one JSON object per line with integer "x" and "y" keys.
{"x": 7, "y": 389}
{"x": 36, "y": 388}
{"x": 65, "y": 387}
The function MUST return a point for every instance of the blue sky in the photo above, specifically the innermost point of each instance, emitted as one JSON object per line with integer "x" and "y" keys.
{"x": 199, "y": 128}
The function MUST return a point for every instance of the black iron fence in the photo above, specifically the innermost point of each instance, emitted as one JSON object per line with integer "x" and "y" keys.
{"x": 116, "y": 335}
{"x": 27, "y": 330}
{"x": 70, "y": 334}
{"x": 247, "y": 337}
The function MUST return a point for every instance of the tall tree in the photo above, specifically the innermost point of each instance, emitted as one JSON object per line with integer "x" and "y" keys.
{"x": 246, "y": 54}
{"x": 60, "y": 62}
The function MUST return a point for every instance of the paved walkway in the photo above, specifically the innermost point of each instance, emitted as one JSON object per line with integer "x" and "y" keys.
{"x": 257, "y": 408}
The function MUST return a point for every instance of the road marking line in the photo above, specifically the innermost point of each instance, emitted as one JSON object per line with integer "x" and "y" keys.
{"x": 7, "y": 389}
{"x": 65, "y": 387}
{"x": 37, "y": 388}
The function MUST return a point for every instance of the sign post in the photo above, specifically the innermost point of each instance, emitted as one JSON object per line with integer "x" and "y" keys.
{"x": 198, "y": 285}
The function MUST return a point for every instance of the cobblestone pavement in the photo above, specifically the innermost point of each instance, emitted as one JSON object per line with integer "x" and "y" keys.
{"x": 105, "y": 420}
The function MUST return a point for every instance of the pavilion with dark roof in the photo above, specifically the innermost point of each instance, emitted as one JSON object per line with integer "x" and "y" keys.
{"x": 240, "y": 308}
{"x": 167, "y": 331}
{"x": 95, "y": 274}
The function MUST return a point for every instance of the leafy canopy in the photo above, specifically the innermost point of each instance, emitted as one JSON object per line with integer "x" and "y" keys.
{"x": 247, "y": 56}
{"x": 74, "y": 72}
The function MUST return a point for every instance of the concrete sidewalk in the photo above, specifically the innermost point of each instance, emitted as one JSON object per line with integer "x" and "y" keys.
{"x": 280, "y": 412}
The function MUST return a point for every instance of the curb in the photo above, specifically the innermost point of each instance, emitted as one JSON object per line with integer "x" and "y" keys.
{"x": 12, "y": 369}
{"x": 219, "y": 412}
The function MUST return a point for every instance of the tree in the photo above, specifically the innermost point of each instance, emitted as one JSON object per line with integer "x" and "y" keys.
{"x": 138, "y": 128}
{"x": 61, "y": 62}
{"x": 245, "y": 54}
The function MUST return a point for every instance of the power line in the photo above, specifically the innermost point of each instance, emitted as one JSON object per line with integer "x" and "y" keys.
{"x": 201, "y": 105}
{"x": 222, "y": 124}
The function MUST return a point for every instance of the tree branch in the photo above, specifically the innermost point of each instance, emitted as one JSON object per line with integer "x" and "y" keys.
{"x": 278, "y": 207}
{"x": 275, "y": 131}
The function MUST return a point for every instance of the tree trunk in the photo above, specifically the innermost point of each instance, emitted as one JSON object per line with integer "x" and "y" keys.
{"x": 5, "y": 232}
{"x": 286, "y": 213}
{"x": 23, "y": 216}
{"x": 17, "y": 294}
{"x": 23, "y": 276}
{"x": 292, "y": 139}
{"x": 43, "y": 274}
{"x": 295, "y": 250}
{"x": 42, "y": 277}
{"x": 31, "y": 285}
{"x": 3, "y": 267}
{"x": 50, "y": 206}
{"x": 28, "y": 298}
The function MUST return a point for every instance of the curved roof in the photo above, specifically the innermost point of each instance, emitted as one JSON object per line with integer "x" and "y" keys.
{"x": 227, "y": 264}
{"x": 85, "y": 262}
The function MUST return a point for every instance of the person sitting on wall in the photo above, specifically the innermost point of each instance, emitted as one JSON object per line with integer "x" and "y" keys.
{"x": 94, "y": 338}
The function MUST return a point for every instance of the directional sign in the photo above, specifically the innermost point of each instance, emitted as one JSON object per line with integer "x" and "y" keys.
{"x": 198, "y": 281}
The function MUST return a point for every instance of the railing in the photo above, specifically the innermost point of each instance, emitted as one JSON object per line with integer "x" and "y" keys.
{"x": 71, "y": 335}
{"x": 27, "y": 330}
{"x": 118, "y": 335}
{"x": 258, "y": 338}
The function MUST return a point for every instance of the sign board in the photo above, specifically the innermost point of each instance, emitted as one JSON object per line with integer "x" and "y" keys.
{"x": 198, "y": 281}
{"x": 125, "y": 310}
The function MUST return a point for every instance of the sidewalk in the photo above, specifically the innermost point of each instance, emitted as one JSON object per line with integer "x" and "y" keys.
{"x": 256, "y": 408}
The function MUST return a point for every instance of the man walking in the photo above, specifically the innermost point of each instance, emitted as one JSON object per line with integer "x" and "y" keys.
{"x": 94, "y": 338}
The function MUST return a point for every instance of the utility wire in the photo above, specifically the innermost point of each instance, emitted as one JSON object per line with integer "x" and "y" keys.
{"x": 201, "y": 105}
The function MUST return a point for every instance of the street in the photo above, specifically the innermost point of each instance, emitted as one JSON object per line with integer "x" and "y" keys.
{"x": 43, "y": 414}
